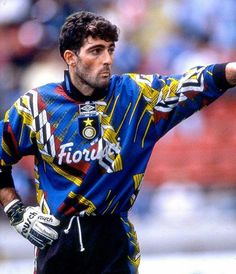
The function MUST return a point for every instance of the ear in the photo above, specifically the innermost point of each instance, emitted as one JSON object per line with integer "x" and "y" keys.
{"x": 70, "y": 58}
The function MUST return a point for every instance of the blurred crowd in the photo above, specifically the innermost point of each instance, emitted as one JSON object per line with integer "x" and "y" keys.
{"x": 163, "y": 36}
{"x": 156, "y": 36}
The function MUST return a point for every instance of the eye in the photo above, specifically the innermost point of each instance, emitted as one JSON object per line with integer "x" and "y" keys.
{"x": 111, "y": 50}
{"x": 96, "y": 51}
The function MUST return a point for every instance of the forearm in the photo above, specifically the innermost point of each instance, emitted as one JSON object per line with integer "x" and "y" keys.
{"x": 8, "y": 194}
{"x": 230, "y": 73}
{"x": 7, "y": 189}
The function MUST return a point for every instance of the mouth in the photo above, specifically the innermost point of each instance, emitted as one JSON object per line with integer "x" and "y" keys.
{"x": 105, "y": 73}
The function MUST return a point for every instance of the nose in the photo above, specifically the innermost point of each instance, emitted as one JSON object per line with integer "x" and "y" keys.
{"x": 108, "y": 59}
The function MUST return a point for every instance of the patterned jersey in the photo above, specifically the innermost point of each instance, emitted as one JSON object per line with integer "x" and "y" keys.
{"x": 91, "y": 154}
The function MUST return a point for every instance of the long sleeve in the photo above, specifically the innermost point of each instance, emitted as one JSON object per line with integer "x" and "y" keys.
{"x": 16, "y": 133}
{"x": 174, "y": 98}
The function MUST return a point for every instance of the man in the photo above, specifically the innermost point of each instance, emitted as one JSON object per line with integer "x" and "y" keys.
{"x": 92, "y": 136}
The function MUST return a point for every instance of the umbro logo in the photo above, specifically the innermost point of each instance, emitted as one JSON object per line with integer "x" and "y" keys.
{"x": 87, "y": 108}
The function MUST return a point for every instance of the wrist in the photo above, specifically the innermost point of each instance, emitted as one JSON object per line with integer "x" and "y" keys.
{"x": 219, "y": 76}
{"x": 7, "y": 195}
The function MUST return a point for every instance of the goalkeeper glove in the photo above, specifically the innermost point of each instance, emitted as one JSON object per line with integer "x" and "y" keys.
{"x": 32, "y": 223}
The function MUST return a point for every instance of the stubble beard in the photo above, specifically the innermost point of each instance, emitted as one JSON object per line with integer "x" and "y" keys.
{"x": 86, "y": 80}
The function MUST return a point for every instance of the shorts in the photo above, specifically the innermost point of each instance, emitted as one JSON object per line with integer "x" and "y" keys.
{"x": 92, "y": 245}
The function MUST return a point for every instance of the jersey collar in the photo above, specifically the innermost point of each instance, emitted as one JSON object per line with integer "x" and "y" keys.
{"x": 74, "y": 93}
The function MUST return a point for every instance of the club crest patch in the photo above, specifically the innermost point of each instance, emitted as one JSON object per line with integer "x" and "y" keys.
{"x": 89, "y": 125}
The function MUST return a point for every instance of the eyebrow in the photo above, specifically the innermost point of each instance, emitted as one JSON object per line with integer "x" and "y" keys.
{"x": 101, "y": 46}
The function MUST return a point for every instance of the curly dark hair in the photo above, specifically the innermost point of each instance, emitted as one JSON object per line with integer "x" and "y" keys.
{"x": 78, "y": 26}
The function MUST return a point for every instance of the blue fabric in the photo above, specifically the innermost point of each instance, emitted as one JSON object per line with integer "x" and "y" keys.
{"x": 94, "y": 161}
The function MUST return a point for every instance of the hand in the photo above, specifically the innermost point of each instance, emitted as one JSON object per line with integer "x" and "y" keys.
{"x": 32, "y": 223}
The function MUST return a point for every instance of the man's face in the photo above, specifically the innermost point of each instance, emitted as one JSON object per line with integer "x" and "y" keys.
{"x": 94, "y": 60}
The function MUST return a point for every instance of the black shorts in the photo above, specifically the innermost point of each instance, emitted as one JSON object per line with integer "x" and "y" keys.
{"x": 92, "y": 245}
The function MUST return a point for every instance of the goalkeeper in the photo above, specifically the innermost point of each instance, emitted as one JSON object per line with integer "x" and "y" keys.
{"x": 92, "y": 136}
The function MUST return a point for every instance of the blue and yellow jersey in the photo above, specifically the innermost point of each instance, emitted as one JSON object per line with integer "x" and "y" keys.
{"x": 91, "y": 152}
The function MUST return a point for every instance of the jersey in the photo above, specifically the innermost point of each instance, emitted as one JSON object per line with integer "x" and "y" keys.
{"x": 91, "y": 153}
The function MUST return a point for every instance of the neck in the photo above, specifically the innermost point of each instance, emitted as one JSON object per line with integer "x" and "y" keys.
{"x": 87, "y": 94}
{"x": 81, "y": 85}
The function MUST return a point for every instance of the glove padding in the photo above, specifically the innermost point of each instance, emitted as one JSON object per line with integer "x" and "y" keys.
{"x": 32, "y": 223}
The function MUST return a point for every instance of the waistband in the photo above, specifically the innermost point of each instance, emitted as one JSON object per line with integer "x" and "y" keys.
{"x": 68, "y": 222}
{"x": 93, "y": 216}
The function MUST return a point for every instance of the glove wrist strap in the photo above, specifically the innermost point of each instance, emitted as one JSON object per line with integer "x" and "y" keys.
{"x": 15, "y": 211}
{"x": 8, "y": 206}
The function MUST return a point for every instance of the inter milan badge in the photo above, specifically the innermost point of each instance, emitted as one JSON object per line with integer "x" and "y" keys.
{"x": 89, "y": 126}
{"x": 89, "y": 131}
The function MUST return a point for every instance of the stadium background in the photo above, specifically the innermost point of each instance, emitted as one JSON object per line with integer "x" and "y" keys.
{"x": 185, "y": 215}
